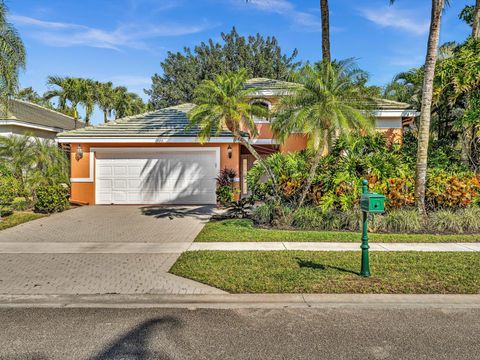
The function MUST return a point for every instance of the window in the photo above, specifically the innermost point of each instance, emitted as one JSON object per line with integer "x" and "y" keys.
{"x": 265, "y": 104}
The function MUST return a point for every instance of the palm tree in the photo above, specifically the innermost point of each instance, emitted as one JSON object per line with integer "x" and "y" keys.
{"x": 16, "y": 153}
{"x": 326, "y": 56}
{"x": 12, "y": 57}
{"x": 328, "y": 104}
{"x": 88, "y": 94}
{"x": 126, "y": 103}
{"x": 224, "y": 103}
{"x": 426, "y": 105}
{"x": 476, "y": 20}
{"x": 51, "y": 163}
{"x": 105, "y": 99}
{"x": 68, "y": 89}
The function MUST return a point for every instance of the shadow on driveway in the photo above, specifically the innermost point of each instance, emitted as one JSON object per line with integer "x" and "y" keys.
{"x": 164, "y": 211}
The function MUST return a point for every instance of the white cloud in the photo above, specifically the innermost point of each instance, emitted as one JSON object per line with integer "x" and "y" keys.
{"x": 127, "y": 35}
{"x": 390, "y": 16}
{"x": 304, "y": 20}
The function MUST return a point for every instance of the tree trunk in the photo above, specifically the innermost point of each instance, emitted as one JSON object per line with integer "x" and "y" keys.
{"x": 326, "y": 56}
{"x": 320, "y": 152}
{"x": 105, "y": 116}
{"x": 425, "y": 115}
{"x": 257, "y": 156}
{"x": 476, "y": 21}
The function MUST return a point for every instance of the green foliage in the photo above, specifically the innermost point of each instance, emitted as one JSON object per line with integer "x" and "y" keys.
{"x": 183, "y": 72}
{"x": 467, "y": 14}
{"x": 12, "y": 58}
{"x": 19, "y": 204}
{"x": 399, "y": 221}
{"x": 470, "y": 219}
{"x": 51, "y": 198}
{"x": 445, "y": 221}
{"x": 446, "y": 191}
{"x": 225, "y": 195}
{"x": 9, "y": 189}
{"x": 265, "y": 213}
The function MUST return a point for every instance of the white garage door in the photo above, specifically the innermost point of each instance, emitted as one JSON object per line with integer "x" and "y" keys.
{"x": 167, "y": 176}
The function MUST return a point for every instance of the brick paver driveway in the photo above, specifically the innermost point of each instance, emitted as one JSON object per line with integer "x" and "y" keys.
{"x": 100, "y": 250}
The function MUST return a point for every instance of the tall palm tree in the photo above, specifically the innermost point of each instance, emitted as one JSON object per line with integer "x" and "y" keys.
{"x": 426, "y": 105}
{"x": 476, "y": 20}
{"x": 12, "y": 57}
{"x": 126, "y": 103}
{"x": 328, "y": 104}
{"x": 224, "y": 103}
{"x": 51, "y": 163}
{"x": 68, "y": 89}
{"x": 326, "y": 56}
{"x": 88, "y": 94}
{"x": 105, "y": 99}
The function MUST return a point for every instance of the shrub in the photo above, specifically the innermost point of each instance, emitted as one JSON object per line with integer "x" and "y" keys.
{"x": 308, "y": 217}
{"x": 225, "y": 195}
{"x": 470, "y": 219}
{"x": 445, "y": 221}
{"x": 9, "y": 189}
{"x": 400, "y": 221}
{"x": 19, "y": 204}
{"x": 226, "y": 177}
{"x": 264, "y": 213}
{"x": 50, "y": 199}
{"x": 451, "y": 191}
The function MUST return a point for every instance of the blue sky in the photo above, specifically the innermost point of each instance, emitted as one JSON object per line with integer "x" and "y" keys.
{"x": 123, "y": 41}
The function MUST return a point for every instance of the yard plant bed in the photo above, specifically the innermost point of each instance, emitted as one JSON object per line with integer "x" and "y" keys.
{"x": 18, "y": 218}
{"x": 332, "y": 272}
{"x": 244, "y": 230}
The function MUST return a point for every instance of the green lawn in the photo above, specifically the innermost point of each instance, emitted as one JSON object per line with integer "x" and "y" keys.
{"x": 244, "y": 230}
{"x": 18, "y": 218}
{"x": 332, "y": 272}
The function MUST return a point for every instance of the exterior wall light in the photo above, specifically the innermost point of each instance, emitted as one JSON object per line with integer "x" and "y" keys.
{"x": 229, "y": 152}
{"x": 79, "y": 152}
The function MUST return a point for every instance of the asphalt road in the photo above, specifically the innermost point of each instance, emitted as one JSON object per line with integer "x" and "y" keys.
{"x": 39, "y": 334}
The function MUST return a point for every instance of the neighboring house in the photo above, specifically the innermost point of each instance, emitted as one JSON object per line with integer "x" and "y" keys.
{"x": 154, "y": 159}
{"x": 24, "y": 117}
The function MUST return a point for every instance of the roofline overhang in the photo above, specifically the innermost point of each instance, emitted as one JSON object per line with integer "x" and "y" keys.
{"x": 395, "y": 113}
{"x": 146, "y": 140}
{"x": 30, "y": 125}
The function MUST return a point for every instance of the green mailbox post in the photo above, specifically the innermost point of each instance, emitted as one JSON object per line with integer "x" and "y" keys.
{"x": 369, "y": 203}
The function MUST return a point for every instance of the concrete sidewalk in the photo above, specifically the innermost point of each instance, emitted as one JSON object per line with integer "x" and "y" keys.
{"x": 179, "y": 247}
{"x": 333, "y": 246}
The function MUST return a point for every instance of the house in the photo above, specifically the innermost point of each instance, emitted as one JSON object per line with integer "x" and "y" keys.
{"x": 27, "y": 118}
{"x": 153, "y": 158}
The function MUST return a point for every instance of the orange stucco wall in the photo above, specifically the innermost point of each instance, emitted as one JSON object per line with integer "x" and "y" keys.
{"x": 295, "y": 142}
{"x": 84, "y": 192}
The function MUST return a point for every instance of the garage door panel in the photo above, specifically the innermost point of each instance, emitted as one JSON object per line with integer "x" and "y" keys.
{"x": 168, "y": 177}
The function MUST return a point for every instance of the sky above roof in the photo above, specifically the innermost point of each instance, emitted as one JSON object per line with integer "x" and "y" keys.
{"x": 124, "y": 41}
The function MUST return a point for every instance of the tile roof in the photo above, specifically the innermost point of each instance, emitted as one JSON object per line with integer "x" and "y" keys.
{"x": 38, "y": 115}
{"x": 168, "y": 122}
{"x": 269, "y": 84}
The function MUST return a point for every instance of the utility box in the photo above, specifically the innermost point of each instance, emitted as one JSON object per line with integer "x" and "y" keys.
{"x": 372, "y": 203}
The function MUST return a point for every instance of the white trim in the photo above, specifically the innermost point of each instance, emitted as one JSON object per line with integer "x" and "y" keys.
{"x": 93, "y": 150}
{"x": 152, "y": 140}
{"x": 395, "y": 113}
{"x": 270, "y": 92}
{"x": 29, "y": 125}
{"x": 264, "y": 142}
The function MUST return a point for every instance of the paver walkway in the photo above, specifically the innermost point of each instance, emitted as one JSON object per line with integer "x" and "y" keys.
{"x": 101, "y": 250}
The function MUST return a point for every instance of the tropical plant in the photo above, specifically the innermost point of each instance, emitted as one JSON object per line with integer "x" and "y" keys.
{"x": 51, "y": 198}
{"x": 126, "y": 103}
{"x": 224, "y": 103}
{"x": 12, "y": 57}
{"x": 328, "y": 104}
{"x": 51, "y": 164}
{"x": 66, "y": 90}
{"x": 105, "y": 99}
{"x": 88, "y": 97}
{"x": 426, "y": 104}
{"x": 16, "y": 153}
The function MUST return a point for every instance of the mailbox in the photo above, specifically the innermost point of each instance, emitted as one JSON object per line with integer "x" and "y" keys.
{"x": 372, "y": 203}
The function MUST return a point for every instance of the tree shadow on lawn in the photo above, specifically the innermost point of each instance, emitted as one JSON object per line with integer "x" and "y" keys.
{"x": 312, "y": 265}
